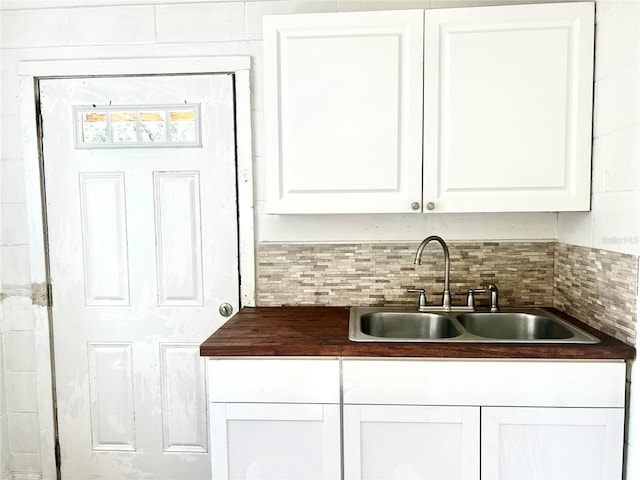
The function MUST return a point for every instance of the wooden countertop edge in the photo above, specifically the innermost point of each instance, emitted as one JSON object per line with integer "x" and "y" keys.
{"x": 323, "y": 331}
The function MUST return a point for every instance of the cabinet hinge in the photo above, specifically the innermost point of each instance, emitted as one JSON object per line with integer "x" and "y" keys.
{"x": 58, "y": 459}
{"x": 49, "y": 295}
{"x": 39, "y": 124}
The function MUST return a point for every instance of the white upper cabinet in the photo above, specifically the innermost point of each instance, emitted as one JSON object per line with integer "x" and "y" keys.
{"x": 508, "y": 102}
{"x": 456, "y": 110}
{"x": 343, "y": 105}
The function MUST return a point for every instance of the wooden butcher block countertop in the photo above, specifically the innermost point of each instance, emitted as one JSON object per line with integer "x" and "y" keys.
{"x": 323, "y": 331}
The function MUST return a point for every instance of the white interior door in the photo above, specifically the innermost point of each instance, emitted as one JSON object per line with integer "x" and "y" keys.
{"x": 143, "y": 251}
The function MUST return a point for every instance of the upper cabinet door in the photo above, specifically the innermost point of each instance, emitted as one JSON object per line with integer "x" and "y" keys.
{"x": 343, "y": 109}
{"x": 508, "y": 101}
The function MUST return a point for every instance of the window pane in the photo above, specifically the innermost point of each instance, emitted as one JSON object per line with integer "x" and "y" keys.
{"x": 94, "y": 127}
{"x": 182, "y": 126}
{"x": 123, "y": 127}
{"x": 134, "y": 126}
{"x": 153, "y": 127}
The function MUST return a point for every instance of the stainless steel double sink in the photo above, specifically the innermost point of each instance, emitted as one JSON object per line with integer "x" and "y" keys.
{"x": 521, "y": 325}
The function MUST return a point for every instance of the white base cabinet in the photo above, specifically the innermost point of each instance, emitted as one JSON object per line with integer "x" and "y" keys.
{"x": 275, "y": 441}
{"x": 296, "y": 419}
{"x": 411, "y": 442}
{"x": 542, "y": 420}
{"x": 273, "y": 419}
{"x": 552, "y": 443}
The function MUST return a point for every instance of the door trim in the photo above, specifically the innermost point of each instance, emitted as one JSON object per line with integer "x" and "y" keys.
{"x": 29, "y": 74}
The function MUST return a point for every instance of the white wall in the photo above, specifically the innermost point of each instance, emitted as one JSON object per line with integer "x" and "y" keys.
{"x": 5, "y": 458}
{"x": 614, "y": 222}
{"x": 20, "y": 437}
{"x": 230, "y": 28}
{"x": 76, "y": 29}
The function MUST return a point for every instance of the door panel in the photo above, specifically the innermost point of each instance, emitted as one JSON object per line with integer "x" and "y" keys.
{"x": 143, "y": 249}
{"x": 182, "y": 392}
{"x": 178, "y": 238}
{"x": 104, "y": 233}
{"x": 111, "y": 396}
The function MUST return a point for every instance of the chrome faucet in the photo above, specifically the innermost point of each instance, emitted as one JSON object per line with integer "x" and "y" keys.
{"x": 446, "y": 294}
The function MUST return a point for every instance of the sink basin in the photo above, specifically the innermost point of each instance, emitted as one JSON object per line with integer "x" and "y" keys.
{"x": 525, "y": 325}
{"x": 407, "y": 325}
{"x": 514, "y": 326}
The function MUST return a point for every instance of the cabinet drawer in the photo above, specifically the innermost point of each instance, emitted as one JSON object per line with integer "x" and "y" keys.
{"x": 274, "y": 380}
{"x": 490, "y": 382}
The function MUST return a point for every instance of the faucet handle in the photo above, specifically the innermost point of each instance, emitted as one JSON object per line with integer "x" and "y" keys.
{"x": 422, "y": 302}
{"x": 493, "y": 292}
{"x": 471, "y": 301}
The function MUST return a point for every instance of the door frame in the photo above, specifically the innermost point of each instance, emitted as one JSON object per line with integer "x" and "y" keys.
{"x": 29, "y": 74}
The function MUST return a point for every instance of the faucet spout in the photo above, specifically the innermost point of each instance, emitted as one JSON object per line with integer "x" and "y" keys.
{"x": 446, "y": 294}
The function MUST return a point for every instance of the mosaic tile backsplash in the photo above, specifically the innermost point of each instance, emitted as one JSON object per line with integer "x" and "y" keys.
{"x": 596, "y": 286}
{"x": 380, "y": 274}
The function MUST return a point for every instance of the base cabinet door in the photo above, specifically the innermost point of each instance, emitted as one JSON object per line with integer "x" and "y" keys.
{"x": 411, "y": 442}
{"x": 275, "y": 441}
{"x": 552, "y": 443}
